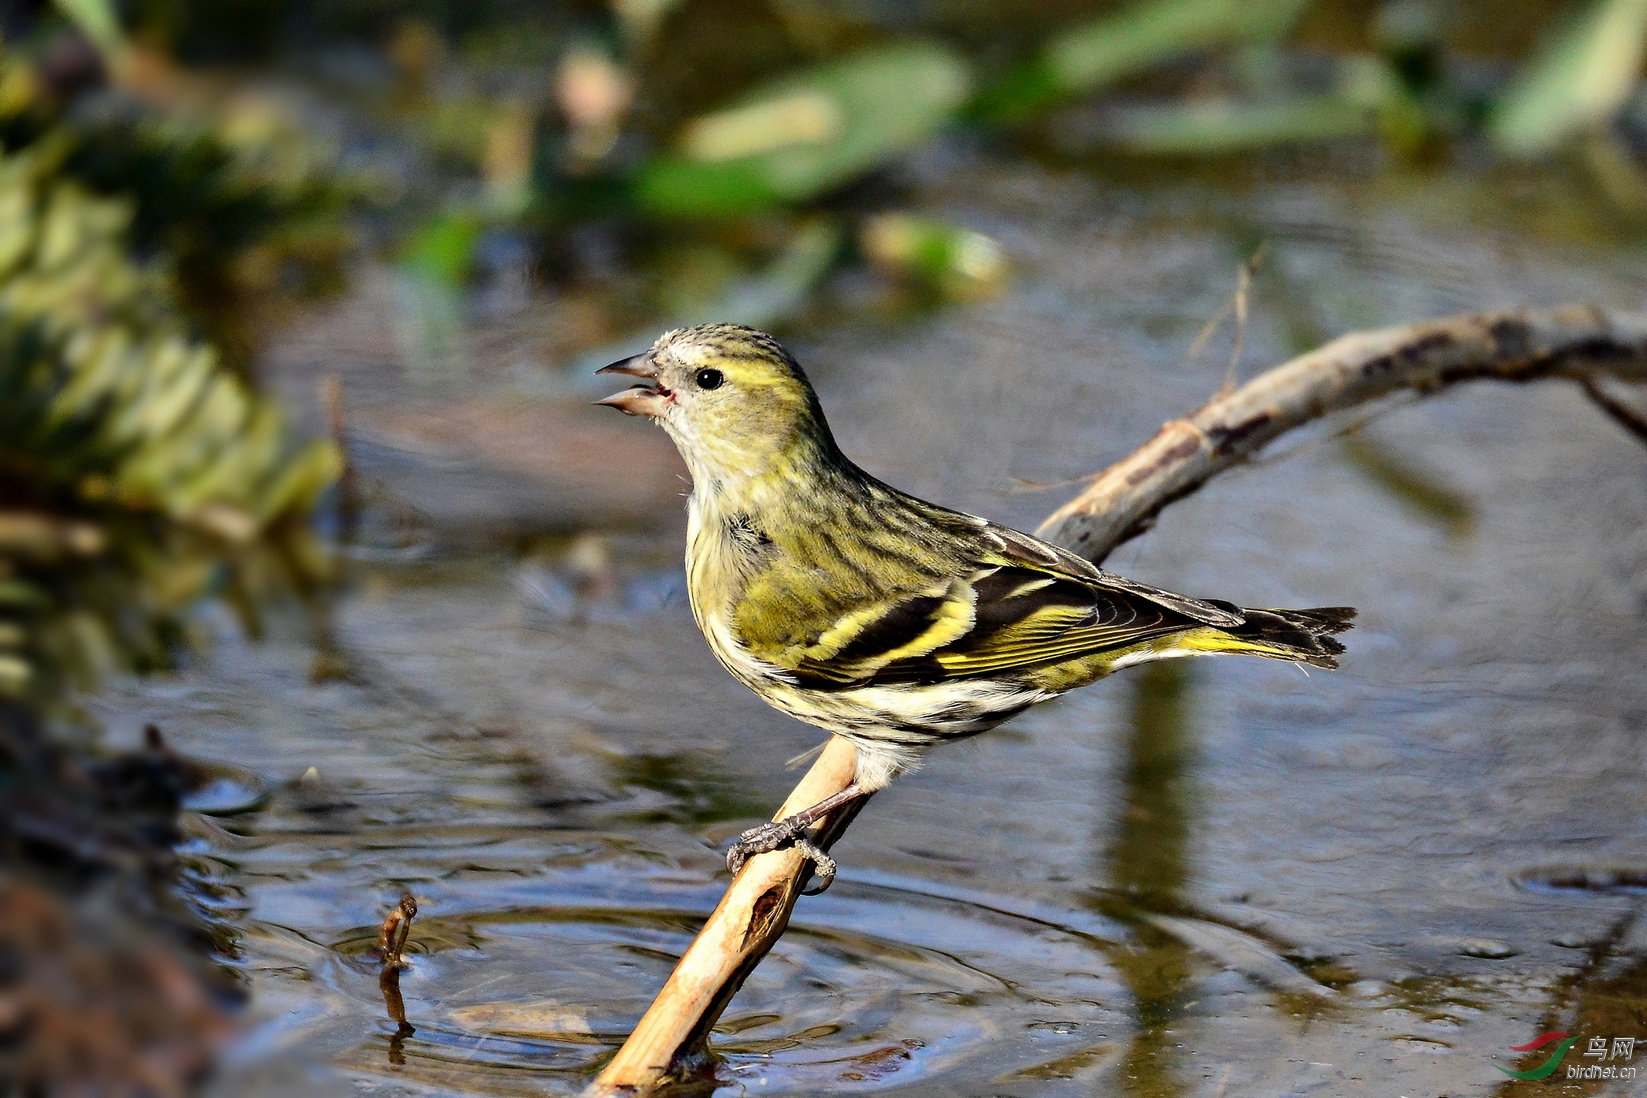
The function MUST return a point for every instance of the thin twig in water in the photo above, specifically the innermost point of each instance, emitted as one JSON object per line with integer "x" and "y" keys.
{"x": 397, "y": 927}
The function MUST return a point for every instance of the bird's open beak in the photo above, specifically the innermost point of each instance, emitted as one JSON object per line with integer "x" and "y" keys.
{"x": 637, "y": 400}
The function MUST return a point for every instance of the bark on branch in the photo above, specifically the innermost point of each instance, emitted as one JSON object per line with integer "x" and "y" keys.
{"x": 1581, "y": 343}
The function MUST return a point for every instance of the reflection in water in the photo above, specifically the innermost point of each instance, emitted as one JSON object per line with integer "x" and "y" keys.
{"x": 388, "y": 982}
{"x": 1422, "y": 491}
{"x": 1148, "y": 867}
{"x": 693, "y": 790}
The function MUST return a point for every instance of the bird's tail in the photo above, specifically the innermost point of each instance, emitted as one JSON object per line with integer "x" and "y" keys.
{"x": 1301, "y": 636}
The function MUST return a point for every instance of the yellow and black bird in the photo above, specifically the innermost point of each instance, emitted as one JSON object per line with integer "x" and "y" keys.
{"x": 879, "y": 617}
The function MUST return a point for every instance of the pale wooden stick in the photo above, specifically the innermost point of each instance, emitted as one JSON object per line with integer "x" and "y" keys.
{"x": 1577, "y": 341}
{"x": 670, "y": 1043}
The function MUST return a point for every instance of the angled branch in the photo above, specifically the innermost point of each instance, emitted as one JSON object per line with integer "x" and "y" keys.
{"x": 1582, "y": 343}
{"x": 1578, "y": 342}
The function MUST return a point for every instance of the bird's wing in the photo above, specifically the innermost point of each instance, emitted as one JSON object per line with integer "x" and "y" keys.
{"x": 1019, "y": 604}
{"x": 1011, "y": 547}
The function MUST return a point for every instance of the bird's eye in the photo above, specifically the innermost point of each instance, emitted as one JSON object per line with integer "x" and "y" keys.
{"x": 709, "y": 379}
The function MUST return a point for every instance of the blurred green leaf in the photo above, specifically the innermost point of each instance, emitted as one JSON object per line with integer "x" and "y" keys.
{"x": 1580, "y": 76}
{"x": 1212, "y": 128}
{"x": 443, "y": 249}
{"x": 951, "y": 260}
{"x": 428, "y": 293}
{"x": 806, "y": 134}
{"x": 1115, "y": 46}
{"x": 232, "y": 205}
{"x": 676, "y": 188}
{"x": 98, "y": 21}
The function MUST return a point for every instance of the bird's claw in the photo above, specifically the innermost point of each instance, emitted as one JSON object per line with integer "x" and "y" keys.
{"x": 775, "y": 836}
{"x": 823, "y": 867}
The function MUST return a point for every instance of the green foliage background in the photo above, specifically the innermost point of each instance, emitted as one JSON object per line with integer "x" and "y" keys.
{"x": 138, "y": 471}
{"x": 145, "y": 253}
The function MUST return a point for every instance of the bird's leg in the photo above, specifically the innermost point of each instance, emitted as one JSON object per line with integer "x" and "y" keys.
{"x": 790, "y": 831}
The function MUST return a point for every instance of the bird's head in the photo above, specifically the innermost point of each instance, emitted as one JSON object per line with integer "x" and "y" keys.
{"x": 736, "y": 403}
